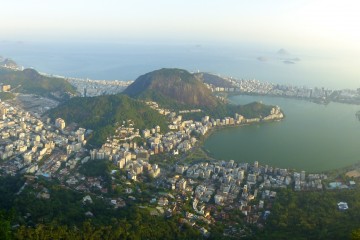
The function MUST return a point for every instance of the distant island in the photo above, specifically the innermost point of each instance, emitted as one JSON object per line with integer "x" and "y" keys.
{"x": 282, "y": 51}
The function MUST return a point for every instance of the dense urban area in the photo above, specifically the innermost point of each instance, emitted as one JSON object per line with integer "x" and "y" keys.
{"x": 201, "y": 192}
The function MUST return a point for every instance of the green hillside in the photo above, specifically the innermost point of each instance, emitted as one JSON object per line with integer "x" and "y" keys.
{"x": 30, "y": 81}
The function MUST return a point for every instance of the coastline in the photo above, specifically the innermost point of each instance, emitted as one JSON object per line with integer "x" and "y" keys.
{"x": 339, "y": 172}
{"x": 333, "y": 171}
{"x": 200, "y": 144}
{"x": 313, "y": 100}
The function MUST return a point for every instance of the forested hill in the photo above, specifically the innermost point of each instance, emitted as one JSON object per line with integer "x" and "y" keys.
{"x": 30, "y": 81}
{"x": 178, "y": 89}
{"x": 172, "y": 86}
{"x": 101, "y": 113}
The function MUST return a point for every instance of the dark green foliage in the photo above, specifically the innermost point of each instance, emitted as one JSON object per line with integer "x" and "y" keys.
{"x": 95, "y": 168}
{"x": 5, "y": 224}
{"x": 62, "y": 216}
{"x": 8, "y": 189}
{"x": 251, "y": 110}
{"x": 313, "y": 215}
{"x": 6, "y": 96}
{"x": 355, "y": 235}
{"x": 30, "y": 81}
{"x": 101, "y": 113}
{"x": 63, "y": 207}
{"x": 139, "y": 226}
{"x": 98, "y": 168}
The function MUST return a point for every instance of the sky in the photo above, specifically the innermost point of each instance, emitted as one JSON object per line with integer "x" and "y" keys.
{"x": 320, "y": 24}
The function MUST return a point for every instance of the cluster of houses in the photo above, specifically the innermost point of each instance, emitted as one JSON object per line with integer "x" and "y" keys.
{"x": 123, "y": 149}
{"x": 249, "y": 188}
{"x": 27, "y": 140}
{"x": 254, "y": 86}
{"x": 91, "y": 88}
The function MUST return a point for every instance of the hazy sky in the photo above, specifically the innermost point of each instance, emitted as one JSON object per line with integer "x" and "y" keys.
{"x": 315, "y": 23}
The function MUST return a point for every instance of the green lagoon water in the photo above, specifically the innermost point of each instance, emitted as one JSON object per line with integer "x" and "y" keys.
{"x": 312, "y": 137}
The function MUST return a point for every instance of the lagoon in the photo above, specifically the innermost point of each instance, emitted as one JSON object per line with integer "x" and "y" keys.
{"x": 312, "y": 137}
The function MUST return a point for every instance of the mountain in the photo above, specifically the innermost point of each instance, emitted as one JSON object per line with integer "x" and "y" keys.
{"x": 7, "y": 62}
{"x": 173, "y": 87}
{"x": 178, "y": 89}
{"x": 101, "y": 113}
{"x": 30, "y": 81}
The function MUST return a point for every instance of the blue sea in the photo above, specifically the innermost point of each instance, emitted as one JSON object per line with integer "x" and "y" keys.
{"x": 127, "y": 61}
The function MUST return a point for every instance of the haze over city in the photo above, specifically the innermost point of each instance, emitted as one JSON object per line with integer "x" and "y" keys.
{"x": 305, "y": 23}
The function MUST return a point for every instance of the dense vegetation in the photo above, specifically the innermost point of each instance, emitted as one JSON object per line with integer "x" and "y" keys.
{"x": 95, "y": 168}
{"x": 294, "y": 215}
{"x": 313, "y": 215}
{"x": 101, "y": 113}
{"x": 135, "y": 224}
{"x": 30, "y": 81}
{"x": 6, "y": 96}
{"x": 250, "y": 110}
{"x": 62, "y": 216}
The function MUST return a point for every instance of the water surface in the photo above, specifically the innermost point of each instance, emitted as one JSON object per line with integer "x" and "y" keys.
{"x": 312, "y": 137}
{"x": 127, "y": 61}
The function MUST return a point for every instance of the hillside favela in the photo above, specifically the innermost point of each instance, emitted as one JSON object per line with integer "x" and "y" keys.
{"x": 181, "y": 120}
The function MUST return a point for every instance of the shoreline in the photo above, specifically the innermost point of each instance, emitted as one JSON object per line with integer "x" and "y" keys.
{"x": 201, "y": 141}
{"x": 200, "y": 145}
{"x": 211, "y": 157}
{"x": 312, "y": 100}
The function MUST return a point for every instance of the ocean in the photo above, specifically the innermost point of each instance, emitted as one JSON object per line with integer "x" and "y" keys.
{"x": 127, "y": 61}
